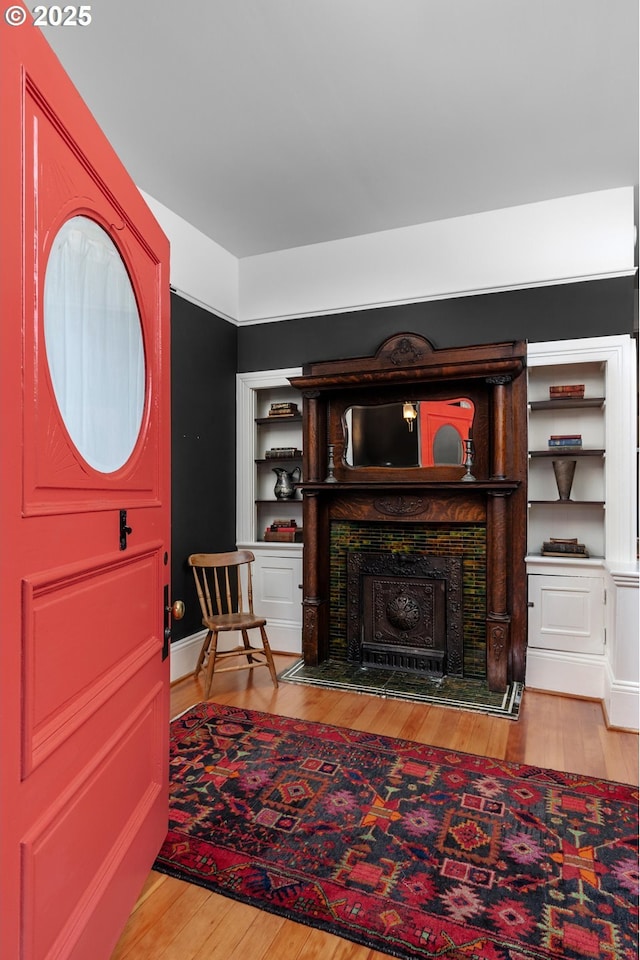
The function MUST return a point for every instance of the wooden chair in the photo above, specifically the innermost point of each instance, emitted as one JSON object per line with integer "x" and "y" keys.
{"x": 219, "y": 584}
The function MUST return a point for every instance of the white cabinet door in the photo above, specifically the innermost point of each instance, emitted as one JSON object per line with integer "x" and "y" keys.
{"x": 276, "y": 588}
{"x": 277, "y": 595}
{"x": 566, "y": 613}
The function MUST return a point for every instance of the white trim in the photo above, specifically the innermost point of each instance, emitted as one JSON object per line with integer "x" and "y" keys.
{"x": 621, "y": 702}
{"x": 626, "y": 577}
{"x": 184, "y": 655}
{"x": 567, "y": 673}
{"x": 198, "y": 264}
{"x": 283, "y": 638}
{"x": 566, "y": 239}
{"x": 202, "y": 305}
{"x": 571, "y": 239}
{"x": 405, "y": 301}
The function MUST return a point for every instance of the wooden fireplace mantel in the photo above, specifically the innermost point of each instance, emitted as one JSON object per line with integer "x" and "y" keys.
{"x": 406, "y": 367}
{"x": 407, "y": 485}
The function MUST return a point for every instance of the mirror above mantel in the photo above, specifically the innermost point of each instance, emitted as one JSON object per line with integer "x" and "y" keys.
{"x": 419, "y": 433}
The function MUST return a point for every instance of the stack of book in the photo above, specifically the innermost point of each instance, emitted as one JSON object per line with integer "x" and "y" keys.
{"x": 282, "y": 453}
{"x": 283, "y": 531}
{"x": 284, "y": 409}
{"x": 567, "y": 391}
{"x": 565, "y": 441}
{"x": 558, "y": 547}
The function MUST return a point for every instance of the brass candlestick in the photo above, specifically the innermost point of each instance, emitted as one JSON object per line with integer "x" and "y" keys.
{"x": 330, "y": 478}
{"x": 468, "y": 460}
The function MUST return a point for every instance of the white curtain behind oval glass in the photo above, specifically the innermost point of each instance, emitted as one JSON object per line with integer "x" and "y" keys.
{"x": 94, "y": 345}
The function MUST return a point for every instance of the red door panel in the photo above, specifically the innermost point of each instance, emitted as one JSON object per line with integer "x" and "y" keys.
{"x": 74, "y": 825}
{"x": 83, "y": 681}
{"x": 61, "y": 604}
{"x": 55, "y": 168}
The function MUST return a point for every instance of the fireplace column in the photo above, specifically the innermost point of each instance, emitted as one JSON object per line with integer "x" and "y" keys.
{"x": 315, "y": 633}
{"x": 499, "y": 431}
{"x": 498, "y": 619}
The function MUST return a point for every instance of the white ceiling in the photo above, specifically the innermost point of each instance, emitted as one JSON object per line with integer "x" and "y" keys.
{"x": 270, "y": 124}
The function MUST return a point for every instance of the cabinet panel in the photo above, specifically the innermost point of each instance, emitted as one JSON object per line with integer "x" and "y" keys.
{"x": 277, "y": 594}
{"x": 566, "y": 613}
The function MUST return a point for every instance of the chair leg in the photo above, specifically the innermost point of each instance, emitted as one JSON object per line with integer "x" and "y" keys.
{"x": 203, "y": 651}
{"x": 247, "y": 645}
{"x": 269, "y": 656}
{"x": 213, "y": 649}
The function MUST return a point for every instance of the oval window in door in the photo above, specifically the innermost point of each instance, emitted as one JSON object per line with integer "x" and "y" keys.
{"x": 94, "y": 345}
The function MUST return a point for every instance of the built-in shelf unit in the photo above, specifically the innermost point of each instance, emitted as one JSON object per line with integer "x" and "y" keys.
{"x": 278, "y": 566}
{"x": 572, "y": 632}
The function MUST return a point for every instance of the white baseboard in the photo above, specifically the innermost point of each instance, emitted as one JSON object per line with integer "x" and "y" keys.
{"x": 622, "y": 703}
{"x": 283, "y": 638}
{"x": 184, "y": 654}
{"x": 560, "y": 672}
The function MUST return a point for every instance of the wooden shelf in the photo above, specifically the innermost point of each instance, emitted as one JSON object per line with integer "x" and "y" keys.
{"x": 566, "y": 404}
{"x": 296, "y": 418}
{"x": 573, "y": 503}
{"x": 283, "y": 502}
{"x": 295, "y": 456}
{"x": 404, "y": 486}
{"x": 592, "y": 560}
{"x": 562, "y": 452}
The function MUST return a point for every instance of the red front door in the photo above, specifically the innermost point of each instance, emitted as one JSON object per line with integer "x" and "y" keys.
{"x": 84, "y": 414}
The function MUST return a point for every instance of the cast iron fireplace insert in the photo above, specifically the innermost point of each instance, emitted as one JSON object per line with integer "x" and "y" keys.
{"x": 404, "y": 612}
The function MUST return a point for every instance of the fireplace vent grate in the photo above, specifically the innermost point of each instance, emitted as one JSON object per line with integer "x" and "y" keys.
{"x": 407, "y": 659}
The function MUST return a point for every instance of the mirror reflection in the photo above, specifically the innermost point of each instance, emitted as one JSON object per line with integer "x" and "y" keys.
{"x": 423, "y": 433}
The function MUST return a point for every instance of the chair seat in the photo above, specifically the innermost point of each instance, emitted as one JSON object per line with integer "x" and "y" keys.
{"x": 233, "y": 621}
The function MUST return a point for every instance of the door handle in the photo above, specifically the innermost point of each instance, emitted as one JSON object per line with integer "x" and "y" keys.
{"x": 177, "y": 610}
{"x": 173, "y": 611}
{"x": 124, "y": 530}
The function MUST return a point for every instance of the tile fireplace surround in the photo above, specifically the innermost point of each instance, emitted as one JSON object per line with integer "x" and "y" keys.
{"x": 426, "y": 511}
{"x": 466, "y": 543}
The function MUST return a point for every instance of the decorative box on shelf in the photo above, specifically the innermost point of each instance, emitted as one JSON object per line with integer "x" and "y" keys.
{"x": 283, "y": 531}
{"x": 565, "y": 442}
{"x": 568, "y": 391}
{"x": 564, "y": 547}
{"x": 283, "y": 453}
{"x": 284, "y": 409}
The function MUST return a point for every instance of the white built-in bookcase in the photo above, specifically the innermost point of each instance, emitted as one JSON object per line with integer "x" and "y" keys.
{"x": 577, "y": 643}
{"x": 278, "y": 566}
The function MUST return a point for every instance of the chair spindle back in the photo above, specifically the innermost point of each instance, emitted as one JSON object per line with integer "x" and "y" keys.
{"x": 218, "y": 580}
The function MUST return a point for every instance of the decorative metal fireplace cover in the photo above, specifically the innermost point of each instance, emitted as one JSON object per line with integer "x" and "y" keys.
{"x": 403, "y": 611}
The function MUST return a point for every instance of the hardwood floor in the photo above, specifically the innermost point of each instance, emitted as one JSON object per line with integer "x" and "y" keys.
{"x": 174, "y": 920}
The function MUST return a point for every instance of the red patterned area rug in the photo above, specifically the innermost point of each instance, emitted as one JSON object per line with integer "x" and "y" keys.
{"x": 411, "y": 850}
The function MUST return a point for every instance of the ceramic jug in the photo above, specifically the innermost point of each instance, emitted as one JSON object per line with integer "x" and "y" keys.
{"x": 284, "y": 488}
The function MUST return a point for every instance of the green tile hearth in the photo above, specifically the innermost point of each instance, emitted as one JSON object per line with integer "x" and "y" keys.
{"x": 463, "y": 694}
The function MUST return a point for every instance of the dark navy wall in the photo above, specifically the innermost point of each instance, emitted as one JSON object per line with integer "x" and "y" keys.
{"x": 203, "y": 454}
{"x": 560, "y": 312}
{"x": 206, "y": 351}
